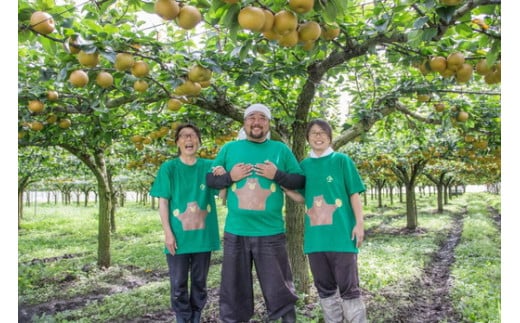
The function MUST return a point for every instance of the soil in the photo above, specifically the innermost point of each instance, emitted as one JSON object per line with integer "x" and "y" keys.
{"x": 425, "y": 300}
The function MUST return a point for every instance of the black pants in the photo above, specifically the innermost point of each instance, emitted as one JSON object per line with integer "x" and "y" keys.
{"x": 269, "y": 256}
{"x": 181, "y": 268}
{"x": 335, "y": 270}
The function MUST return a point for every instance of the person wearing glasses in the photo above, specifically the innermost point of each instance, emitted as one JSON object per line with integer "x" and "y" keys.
{"x": 334, "y": 225}
{"x": 254, "y": 233}
{"x": 188, "y": 214}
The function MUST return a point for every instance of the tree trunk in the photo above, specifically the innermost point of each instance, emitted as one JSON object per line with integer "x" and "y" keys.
{"x": 294, "y": 217}
{"x": 20, "y": 207}
{"x": 379, "y": 196}
{"x": 28, "y": 199}
{"x": 105, "y": 207}
{"x": 113, "y": 212}
{"x": 96, "y": 163}
{"x": 122, "y": 198}
{"x": 440, "y": 204}
{"x": 411, "y": 207}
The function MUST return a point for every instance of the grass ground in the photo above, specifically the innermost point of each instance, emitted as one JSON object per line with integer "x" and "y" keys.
{"x": 448, "y": 270}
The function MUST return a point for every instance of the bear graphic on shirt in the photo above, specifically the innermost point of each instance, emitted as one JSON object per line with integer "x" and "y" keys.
{"x": 321, "y": 212}
{"x": 193, "y": 218}
{"x": 252, "y": 196}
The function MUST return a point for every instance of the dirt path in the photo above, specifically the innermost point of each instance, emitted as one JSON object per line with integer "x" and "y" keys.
{"x": 120, "y": 285}
{"x": 426, "y": 300}
{"x": 430, "y": 294}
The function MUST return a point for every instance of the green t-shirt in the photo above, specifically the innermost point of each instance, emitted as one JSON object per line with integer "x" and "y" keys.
{"x": 329, "y": 218}
{"x": 193, "y": 212}
{"x": 255, "y": 203}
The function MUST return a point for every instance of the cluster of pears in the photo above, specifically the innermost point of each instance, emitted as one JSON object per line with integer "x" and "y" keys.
{"x": 186, "y": 16}
{"x": 43, "y": 23}
{"x": 104, "y": 79}
{"x": 211, "y": 151}
{"x": 283, "y": 26}
{"x": 197, "y": 78}
{"x": 476, "y": 142}
{"x": 457, "y": 113}
{"x": 456, "y": 66}
{"x": 140, "y": 141}
{"x": 492, "y": 74}
{"x": 148, "y": 159}
{"x": 37, "y": 107}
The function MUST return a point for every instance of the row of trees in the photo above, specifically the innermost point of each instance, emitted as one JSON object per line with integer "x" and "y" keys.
{"x": 381, "y": 59}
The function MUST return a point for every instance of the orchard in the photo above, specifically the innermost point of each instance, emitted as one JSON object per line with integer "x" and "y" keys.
{"x": 412, "y": 88}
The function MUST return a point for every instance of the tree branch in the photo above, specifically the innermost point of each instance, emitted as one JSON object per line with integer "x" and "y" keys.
{"x": 400, "y": 107}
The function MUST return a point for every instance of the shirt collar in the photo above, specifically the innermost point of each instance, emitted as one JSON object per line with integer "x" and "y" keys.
{"x": 327, "y": 152}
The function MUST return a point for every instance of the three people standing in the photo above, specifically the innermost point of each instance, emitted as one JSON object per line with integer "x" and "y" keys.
{"x": 257, "y": 173}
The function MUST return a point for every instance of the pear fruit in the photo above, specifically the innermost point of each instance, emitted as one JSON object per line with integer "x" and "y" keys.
{"x": 166, "y": 9}
{"x": 88, "y": 59}
{"x": 140, "y": 69}
{"x": 301, "y": 6}
{"x": 124, "y": 61}
{"x": 104, "y": 79}
{"x": 309, "y": 30}
{"x": 35, "y": 106}
{"x": 78, "y": 78}
{"x": 285, "y": 22}
{"x": 189, "y": 17}
{"x": 42, "y": 22}
{"x": 251, "y": 18}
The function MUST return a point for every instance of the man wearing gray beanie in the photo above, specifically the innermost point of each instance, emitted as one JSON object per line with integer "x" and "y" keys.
{"x": 256, "y": 170}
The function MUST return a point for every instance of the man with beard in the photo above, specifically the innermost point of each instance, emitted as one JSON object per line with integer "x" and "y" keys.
{"x": 254, "y": 233}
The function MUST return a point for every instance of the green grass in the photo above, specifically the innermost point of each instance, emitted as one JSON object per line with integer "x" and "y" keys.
{"x": 57, "y": 250}
{"x": 477, "y": 271}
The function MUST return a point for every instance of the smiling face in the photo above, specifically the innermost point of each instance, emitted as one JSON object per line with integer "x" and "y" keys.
{"x": 318, "y": 139}
{"x": 188, "y": 141}
{"x": 256, "y": 126}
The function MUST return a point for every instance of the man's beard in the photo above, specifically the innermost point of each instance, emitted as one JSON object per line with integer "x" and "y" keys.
{"x": 259, "y": 135}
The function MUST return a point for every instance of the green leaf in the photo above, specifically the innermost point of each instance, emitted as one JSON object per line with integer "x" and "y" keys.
{"x": 330, "y": 12}
{"x": 341, "y": 8}
{"x": 494, "y": 54}
{"x": 382, "y": 25}
{"x": 415, "y": 38}
{"x": 446, "y": 13}
{"x": 464, "y": 30}
{"x": 230, "y": 17}
{"x": 419, "y": 23}
{"x": 428, "y": 34}
{"x": 149, "y": 7}
{"x": 203, "y": 4}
